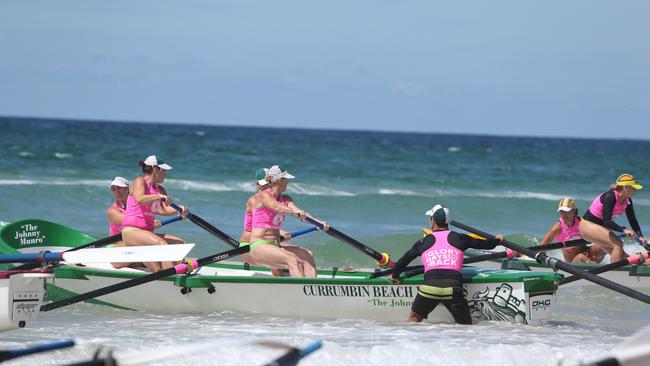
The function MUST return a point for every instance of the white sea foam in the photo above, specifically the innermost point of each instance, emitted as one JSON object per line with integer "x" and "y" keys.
{"x": 25, "y": 154}
{"x": 454, "y": 149}
{"x": 398, "y": 192}
{"x": 60, "y": 155}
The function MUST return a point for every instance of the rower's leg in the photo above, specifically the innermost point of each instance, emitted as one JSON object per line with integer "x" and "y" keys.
{"x": 579, "y": 258}
{"x": 306, "y": 255}
{"x": 458, "y": 307}
{"x": 604, "y": 239}
{"x": 271, "y": 256}
{"x": 133, "y": 237}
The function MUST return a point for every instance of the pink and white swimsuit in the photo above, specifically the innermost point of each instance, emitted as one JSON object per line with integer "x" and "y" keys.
{"x": 115, "y": 228}
{"x": 141, "y": 216}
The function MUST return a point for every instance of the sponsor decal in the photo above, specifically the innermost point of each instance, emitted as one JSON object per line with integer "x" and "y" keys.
{"x": 380, "y": 296}
{"x": 29, "y": 234}
{"x": 498, "y": 303}
{"x": 540, "y": 305}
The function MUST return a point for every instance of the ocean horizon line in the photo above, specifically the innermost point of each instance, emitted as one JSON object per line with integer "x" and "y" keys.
{"x": 258, "y": 127}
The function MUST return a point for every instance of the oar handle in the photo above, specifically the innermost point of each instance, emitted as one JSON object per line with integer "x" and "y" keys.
{"x": 300, "y": 232}
{"x": 15, "y": 353}
{"x": 383, "y": 259}
{"x": 555, "y": 263}
{"x": 641, "y": 243}
{"x": 294, "y": 356}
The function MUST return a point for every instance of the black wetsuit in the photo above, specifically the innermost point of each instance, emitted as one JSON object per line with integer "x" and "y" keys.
{"x": 608, "y": 199}
{"x": 442, "y": 279}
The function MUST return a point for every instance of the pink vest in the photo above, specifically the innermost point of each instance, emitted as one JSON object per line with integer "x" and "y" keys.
{"x": 596, "y": 207}
{"x": 442, "y": 255}
{"x": 265, "y": 218}
{"x": 248, "y": 221}
{"x": 141, "y": 216}
{"x": 115, "y": 228}
{"x": 569, "y": 232}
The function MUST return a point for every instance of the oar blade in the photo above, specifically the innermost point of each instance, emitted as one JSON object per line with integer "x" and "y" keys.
{"x": 145, "y": 253}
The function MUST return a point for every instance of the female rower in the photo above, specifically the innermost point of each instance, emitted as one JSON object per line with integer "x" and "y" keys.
{"x": 597, "y": 225}
{"x": 120, "y": 190}
{"x": 268, "y": 209}
{"x": 245, "y": 237}
{"x": 146, "y": 199}
{"x": 442, "y": 254}
{"x": 567, "y": 228}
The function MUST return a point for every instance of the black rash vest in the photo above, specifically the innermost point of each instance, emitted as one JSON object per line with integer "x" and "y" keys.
{"x": 608, "y": 199}
{"x": 442, "y": 277}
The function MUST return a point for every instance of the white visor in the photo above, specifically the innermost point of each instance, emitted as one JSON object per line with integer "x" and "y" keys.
{"x": 120, "y": 182}
{"x": 151, "y": 160}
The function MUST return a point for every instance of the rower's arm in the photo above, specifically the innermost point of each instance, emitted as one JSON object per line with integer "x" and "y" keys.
{"x": 552, "y": 233}
{"x": 416, "y": 250}
{"x": 138, "y": 192}
{"x": 115, "y": 216}
{"x": 631, "y": 218}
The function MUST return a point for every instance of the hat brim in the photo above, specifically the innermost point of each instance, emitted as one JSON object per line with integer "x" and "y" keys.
{"x": 636, "y": 186}
{"x": 262, "y": 182}
{"x": 285, "y": 175}
{"x": 429, "y": 213}
{"x": 119, "y": 185}
{"x": 565, "y": 209}
{"x": 164, "y": 167}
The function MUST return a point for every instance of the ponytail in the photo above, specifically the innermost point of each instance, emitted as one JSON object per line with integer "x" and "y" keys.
{"x": 146, "y": 169}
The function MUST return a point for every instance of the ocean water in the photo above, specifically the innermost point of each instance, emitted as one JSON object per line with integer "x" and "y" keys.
{"x": 374, "y": 186}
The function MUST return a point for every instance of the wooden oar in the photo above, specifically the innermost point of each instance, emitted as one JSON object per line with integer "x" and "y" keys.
{"x": 10, "y": 354}
{"x": 145, "y": 253}
{"x": 182, "y": 268}
{"x": 555, "y": 263}
{"x": 208, "y": 227}
{"x": 294, "y": 356}
{"x": 95, "y": 244}
{"x": 631, "y": 260}
{"x": 383, "y": 259}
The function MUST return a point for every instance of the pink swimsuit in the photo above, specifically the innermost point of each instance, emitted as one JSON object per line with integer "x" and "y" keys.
{"x": 596, "y": 207}
{"x": 569, "y": 232}
{"x": 265, "y": 218}
{"x": 115, "y": 228}
{"x": 141, "y": 216}
{"x": 442, "y": 255}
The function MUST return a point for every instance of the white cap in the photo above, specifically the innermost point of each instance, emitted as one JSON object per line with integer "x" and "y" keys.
{"x": 277, "y": 172}
{"x": 151, "y": 160}
{"x": 440, "y": 214}
{"x": 120, "y": 182}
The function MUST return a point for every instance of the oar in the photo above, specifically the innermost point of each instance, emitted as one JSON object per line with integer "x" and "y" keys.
{"x": 383, "y": 259}
{"x": 182, "y": 268}
{"x": 10, "y": 354}
{"x": 294, "y": 356}
{"x": 508, "y": 253}
{"x": 634, "y": 351}
{"x": 144, "y": 253}
{"x": 555, "y": 263}
{"x": 631, "y": 260}
{"x": 300, "y": 232}
{"x": 95, "y": 244}
{"x": 640, "y": 242}
{"x": 208, "y": 227}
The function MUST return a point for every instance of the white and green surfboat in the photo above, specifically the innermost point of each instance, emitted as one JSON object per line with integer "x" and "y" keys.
{"x": 634, "y": 276}
{"x": 499, "y": 295}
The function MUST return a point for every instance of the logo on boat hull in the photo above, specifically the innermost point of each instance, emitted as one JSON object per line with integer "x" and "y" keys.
{"x": 28, "y": 234}
{"x": 498, "y": 303}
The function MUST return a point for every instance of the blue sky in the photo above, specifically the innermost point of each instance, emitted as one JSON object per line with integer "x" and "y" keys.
{"x": 552, "y": 68}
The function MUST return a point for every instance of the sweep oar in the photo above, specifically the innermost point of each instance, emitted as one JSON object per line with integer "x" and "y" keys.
{"x": 508, "y": 253}
{"x": 294, "y": 356}
{"x": 383, "y": 259}
{"x": 555, "y": 263}
{"x": 95, "y": 244}
{"x": 10, "y": 354}
{"x": 631, "y": 260}
{"x": 208, "y": 227}
{"x": 181, "y": 268}
{"x": 640, "y": 242}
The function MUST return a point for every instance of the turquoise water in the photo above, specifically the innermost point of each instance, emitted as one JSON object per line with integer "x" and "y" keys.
{"x": 374, "y": 186}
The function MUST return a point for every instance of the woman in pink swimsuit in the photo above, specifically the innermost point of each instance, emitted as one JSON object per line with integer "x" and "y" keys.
{"x": 120, "y": 190}
{"x": 148, "y": 198}
{"x": 567, "y": 228}
{"x": 268, "y": 209}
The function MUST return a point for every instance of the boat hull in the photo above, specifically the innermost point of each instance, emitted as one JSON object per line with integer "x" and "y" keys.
{"x": 21, "y": 297}
{"x": 493, "y": 295}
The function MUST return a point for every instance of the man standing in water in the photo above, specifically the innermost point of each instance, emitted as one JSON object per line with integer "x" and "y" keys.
{"x": 442, "y": 254}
